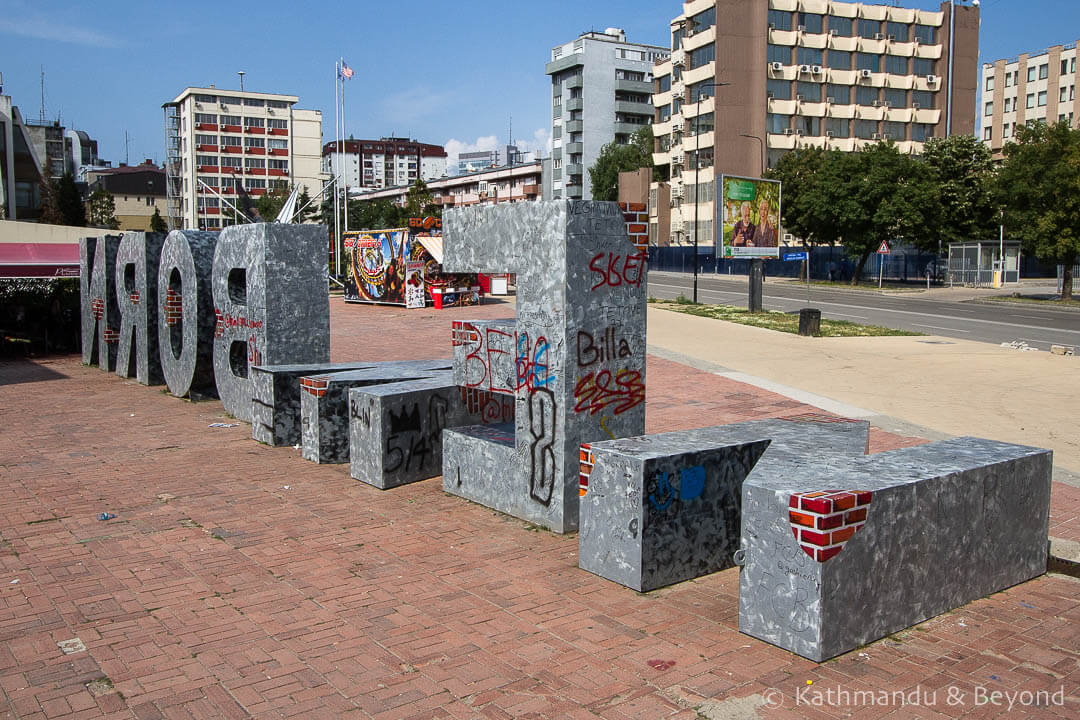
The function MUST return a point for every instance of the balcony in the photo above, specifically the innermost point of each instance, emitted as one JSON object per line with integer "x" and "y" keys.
{"x": 257, "y": 191}
{"x": 255, "y": 171}
{"x": 574, "y": 104}
{"x": 206, "y": 148}
{"x": 638, "y": 86}
{"x": 564, "y": 63}
{"x": 231, "y": 149}
{"x": 255, "y": 151}
{"x": 531, "y": 189}
{"x": 574, "y": 148}
{"x": 573, "y": 191}
{"x": 279, "y": 151}
{"x": 574, "y": 169}
{"x": 575, "y": 82}
{"x": 232, "y": 169}
{"x": 227, "y": 191}
{"x": 279, "y": 131}
{"x": 278, "y": 171}
{"x": 627, "y": 128}
{"x": 575, "y": 126}
{"x": 231, "y": 128}
{"x": 207, "y": 168}
{"x": 205, "y": 126}
{"x": 211, "y": 211}
{"x": 254, "y": 130}
{"x": 634, "y": 108}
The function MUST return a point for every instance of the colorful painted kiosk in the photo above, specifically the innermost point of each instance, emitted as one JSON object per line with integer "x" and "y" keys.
{"x": 403, "y": 266}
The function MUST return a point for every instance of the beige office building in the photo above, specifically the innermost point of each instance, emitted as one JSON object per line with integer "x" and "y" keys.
{"x": 749, "y": 80}
{"x": 219, "y": 141}
{"x": 1034, "y": 86}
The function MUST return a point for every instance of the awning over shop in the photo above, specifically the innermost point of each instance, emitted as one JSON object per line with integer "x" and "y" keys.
{"x": 39, "y": 260}
{"x": 433, "y": 244}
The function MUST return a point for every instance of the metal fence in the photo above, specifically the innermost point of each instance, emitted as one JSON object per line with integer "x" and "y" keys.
{"x": 1061, "y": 277}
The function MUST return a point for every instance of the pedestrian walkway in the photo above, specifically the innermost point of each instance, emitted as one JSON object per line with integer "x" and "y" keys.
{"x": 240, "y": 580}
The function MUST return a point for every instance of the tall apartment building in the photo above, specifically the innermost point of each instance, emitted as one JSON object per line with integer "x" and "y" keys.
{"x": 221, "y": 140}
{"x": 1034, "y": 86}
{"x": 387, "y": 162}
{"x": 749, "y": 80}
{"x": 601, "y": 91}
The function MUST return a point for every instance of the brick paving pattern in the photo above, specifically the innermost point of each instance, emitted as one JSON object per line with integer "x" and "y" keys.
{"x": 239, "y": 580}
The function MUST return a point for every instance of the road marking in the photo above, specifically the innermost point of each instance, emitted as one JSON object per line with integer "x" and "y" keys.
{"x": 861, "y": 317}
{"x": 938, "y": 327}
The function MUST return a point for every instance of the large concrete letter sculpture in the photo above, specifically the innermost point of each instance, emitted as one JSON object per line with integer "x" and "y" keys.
{"x": 841, "y": 554}
{"x": 185, "y": 319}
{"x": 136, "y": 295}
{"x": 271, "y": 304}
{"x": 100, "y": 313}
{"x": 574, "y": 361}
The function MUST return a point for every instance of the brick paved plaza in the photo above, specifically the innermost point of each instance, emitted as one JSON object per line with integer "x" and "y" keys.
{"x": 240, "y": 580}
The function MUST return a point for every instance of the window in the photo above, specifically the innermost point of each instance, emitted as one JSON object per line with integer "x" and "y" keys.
{"x": 922, "y": 66}
{"x": 924, "y": 34}
{"x": 211, "y": 98}
{"x": 1031, "y": 74}
{"x": 866, "y": 95}
{"x": 703, "y": 20}
{"x": 921, "y": 132}
{"x": 989, "y": 109}
{"x": 896, "y": 98}
{"x": 779, "y": 19}
{"x": 988, "y": 133}
{"x": 701, "y": 91}
{"x": 840, "y": 94}
{"x": 230, "y": 100}
{"x": 869, "y": 28}
{"x": 776, "y": 124}
{"x": 780, "y": 54}
{"x": 840, "y": 26}
{"x": 230, "y": 119}
{"x": 923, "y": 98}
{"x": 1072, "y": 88}
{"x": 1008, "y": 79}
{"x": 1008, "y": 105}
{"x": 1072, "y": 65}
{"x": 894, "y": 130}
{"x": 1030, "y": 100}
{"x": 676, "y": 38}
{"x": 810, "y": 126}
{"x": 230, "y": 141}
{"x": 253, "y": 102}
{"x": 898, "y": 31}
{"x": 809, "y": 56}
{"x": 810, "y": 91}
{"x": 1006, "y": 131}
{"x": 254, "y": 163}
{"x": 1064, "y": 66}
{"x": 228, "y": 182}
{"x": 701, "y": 124}
{"x": 664, "y": 83}
{"x": 837, "y": 126}
{"x": 256, "y": 142}
{"x": 203, "y": 118}
{"x": 865, "y": 129}
{"x": 279, "y": 104}
{"x": 1044, "y": 71}
{"x": 702, "y": 56}
{"x": 254, "y": 184}
{"x": 989, "y": 83}
{"x": 279, "y": 164}
{"x": 230, "y": 162}
{"x": 1042, "y": 98}
{"x": 208, "y": 202}
{"x": 212, "y": 139}
{"x": 779, "y": 89}
{"x": 866, "y": 61}
{"x": 839, "y": 60}
{"x": 701, "y": 158}
{"x": 206, "y": 160}
{"x": 896, "y": 65}
{"x": 1062, "y": 94}
{"x": 811, "y": 23}
{"x": 277, "y": 124}
{"x": 279, "y": 144}
{"x": 663, "y": 113}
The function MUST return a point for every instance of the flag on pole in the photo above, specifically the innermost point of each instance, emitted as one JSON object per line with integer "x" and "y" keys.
{"x": 346, "y": 71}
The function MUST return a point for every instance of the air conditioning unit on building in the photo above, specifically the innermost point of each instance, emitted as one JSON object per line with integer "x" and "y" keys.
{"x": 804, "y": 68}
{"x": 677, "y": 191}
{"x": 769, "y": 94}
{"x": 877, "y": 103}
{"x": 678, "y": 61}
{"x": 916, "y": 40}
{"x": 799, "y": 98}
{"x": 676, "y": 159}
{"x": 269, "y": 111}
{"x": 879, "y": 36}
{"x": 224, "y": 106}
{"x": 915, "y": 106}
{"x": 932, "y": 79}
{"x": 887, "y": 103}
{"x": 828, "y": 100}
{"x": 676, "y": 127}
{"x": 890, "y": 38}
{"x": 829, "y": 133}
{"x": 788, "y": 131}
{"x": 788, "y": 238}
{"x": 865, "y": 74}
{"x": 677, "y": 95}
{"x": 800, "y": 28}
{"x": 776, "y": 66}
{"x": 832, "y": 31}
{"x": 798, "y": 131}
{"x": 198, "y": 106}
{"x": 875, "y": 136}
{"x": 816, "y": 69}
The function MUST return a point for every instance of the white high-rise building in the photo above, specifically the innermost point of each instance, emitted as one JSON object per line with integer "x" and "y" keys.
{"x": 601, "y": 91}
{"x": 220, "y": 141}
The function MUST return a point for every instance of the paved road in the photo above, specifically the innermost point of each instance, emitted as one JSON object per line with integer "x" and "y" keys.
{"x": 970, "y": 320}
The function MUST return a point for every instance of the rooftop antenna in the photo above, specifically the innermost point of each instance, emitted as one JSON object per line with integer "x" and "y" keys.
{"x": 42, "y": 116}
{"x": 127, "y": 158}
{"x": 241, "y": 74}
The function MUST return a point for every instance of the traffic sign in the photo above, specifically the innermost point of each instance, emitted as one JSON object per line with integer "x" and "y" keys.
{"x": 883, "y": 248}
{"x": 788, "y": 257}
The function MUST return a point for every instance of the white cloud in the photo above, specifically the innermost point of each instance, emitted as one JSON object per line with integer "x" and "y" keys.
{"x": 48, "y": 29}
{"x": 539, "y": 144}
{"x": 455, "y": 147}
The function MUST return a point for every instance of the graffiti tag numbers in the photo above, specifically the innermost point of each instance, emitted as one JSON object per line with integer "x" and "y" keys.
{"x": 542, "y": 454}
{"x": 596, "y": 391}
{"x": 483, "y": 359}
{"x": 410, "y": 442}
{"x": 616, "y": 269}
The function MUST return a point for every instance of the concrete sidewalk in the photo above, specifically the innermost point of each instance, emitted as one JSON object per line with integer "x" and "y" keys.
{"x": 238, "y": 580}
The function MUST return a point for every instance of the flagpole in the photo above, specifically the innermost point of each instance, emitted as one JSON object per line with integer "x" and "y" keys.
{"x": 337, "y": 149}
{"x": 344, "y": 171}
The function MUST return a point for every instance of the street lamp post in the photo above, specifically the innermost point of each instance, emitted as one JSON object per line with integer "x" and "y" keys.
{"x": 697, "y": 164}
{"x": 761, "y": 146}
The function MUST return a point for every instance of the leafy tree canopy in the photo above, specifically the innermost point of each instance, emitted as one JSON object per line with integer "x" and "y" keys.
{"x": 615, "y": 158}
{"x": 103, "y": 209}
{"x": 157, "y": 223}
{"x": 61, "y": 203}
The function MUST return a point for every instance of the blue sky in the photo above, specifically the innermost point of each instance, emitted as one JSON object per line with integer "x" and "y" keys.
{"x": 450, "y": 73}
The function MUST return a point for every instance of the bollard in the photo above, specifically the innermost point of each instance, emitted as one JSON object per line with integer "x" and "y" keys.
{"x": 810, "y": 322}
{"x": 757, "y": 276}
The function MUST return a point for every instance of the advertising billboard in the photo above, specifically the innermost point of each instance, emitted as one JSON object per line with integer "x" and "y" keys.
{"x": 748, "y": 214}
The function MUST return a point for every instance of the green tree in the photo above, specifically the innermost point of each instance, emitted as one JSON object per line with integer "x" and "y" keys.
{"x": 103, "y": 209}
{"x": 157, "y": 223}
{"x": 61, "y": 203}
{"x": 306, "y": 211}
{"x": 964, "y": 172}
{"x": 269, "y": 204}
{"x": 800, "y": 173}
{"x": 419, "y": 202}
{"x": 615, "y": 158}
{"x": 1038, "y": 188}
